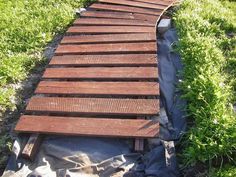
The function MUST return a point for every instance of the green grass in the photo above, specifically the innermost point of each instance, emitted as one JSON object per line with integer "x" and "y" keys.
{"x": 26, "y": 26}
{"x": 207, "y": 47}
{"x": 224, "y": 172}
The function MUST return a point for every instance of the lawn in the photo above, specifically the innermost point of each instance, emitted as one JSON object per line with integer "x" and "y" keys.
{"x": 207, "y": 45}
{"x": 26, "y": 26}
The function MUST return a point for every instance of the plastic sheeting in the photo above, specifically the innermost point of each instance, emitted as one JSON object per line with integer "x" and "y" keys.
{"x": 170, "y": 67}
{"x": 104, "y": 157}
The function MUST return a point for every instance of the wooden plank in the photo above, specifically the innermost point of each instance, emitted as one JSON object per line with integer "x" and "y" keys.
{"x": 79, "y": 126}
{"x": 111, "y": 48}
{"x": 135, "y": 4}
{"x": 99, "y": 88}
{"x": 112, "y": 22}
{"x": 109, "y": 38}
{"x": 139, "y": 142}
{"x": 122, "y": 8}
{"x": 94, "y": 106}
{"x": 119, "y": 15}
{"x": 102, "y": 73}
{"x": 109, "y": 29}
{"x": 105, "y": 60}
{"x": 31, "y": 148}
{"x": 160, "y": 2}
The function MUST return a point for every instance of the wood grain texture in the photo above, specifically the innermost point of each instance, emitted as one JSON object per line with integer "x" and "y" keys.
{"x": 94, "y": 106}
{"x": 32, "y": 146}
{"x": 102, "y": 73}
{"x": 105, "y": 60}
{"x": 111, "y": 22}
{"x": 139, "y": 142}
{"x": 119, "y": 15}
{"x": 79, "y": 126}
{"x": 109, "y": 29}
{"x": 105, "y": 69}
{"x": 135, "y": 4}
{"x": 122, "y": 8}
{"x": 111, "y": 48}
{"x": 109, "y": 38}
{"x": 99, "y": 88}
{"x": 159, "y": 2}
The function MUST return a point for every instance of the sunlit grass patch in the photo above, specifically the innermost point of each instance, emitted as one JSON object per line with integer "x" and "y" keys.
{"x": 207, "y": 30}
{"x": 26, "y": 26}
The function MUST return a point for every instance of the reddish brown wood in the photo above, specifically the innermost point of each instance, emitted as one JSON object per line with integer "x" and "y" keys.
{"x": 129, "y": 42}
{"x": 105, "y": 60}
{"x": 112, "y": 22}
{"x": 160, "y": 2}
{"x": 135, "y": 4}
{"x": 139, "y": 142}
{"x": 79, "y": 126}
{"x": 110, "y": 29}
{"x": 112, "y": 48}
{"x": 32, "y": 146}
{"x": 99, "y": 88}
{"x": 122, "y": 8}
{"x": 109, "y": 38}
{"x": 94, "y": 106}
{"x": 120, "y": 15}
{"x": 102, "y": 73}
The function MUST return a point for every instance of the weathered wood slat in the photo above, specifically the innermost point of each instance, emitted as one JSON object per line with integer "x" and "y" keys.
{"x": 119, "y": 15}
{"x": 99, "y": 88}
{"x": 122, "y": 8}
{"x": 139, "y": 142}
{"x": 102, "y": 73}
{"x": 160, "y": 2}
{"x": 94, "y": 106}
{"x": 79, "y": 126}
{"x": 109, "y": 29}
{"x": 31, "y": 148}
{"x": 135, "y": 4}
{"x": 109, "y": 38}
{"x": 112, "y": 48}
{"x": 111, "y": 22}
{"x": 105, "y": 60}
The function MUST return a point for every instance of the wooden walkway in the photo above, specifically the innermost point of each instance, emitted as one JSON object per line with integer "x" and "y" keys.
{"x": 103, "y": 79}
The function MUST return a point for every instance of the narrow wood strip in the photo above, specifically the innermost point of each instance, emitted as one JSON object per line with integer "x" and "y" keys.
{"x": 105, "y": 60}
{"x": 79, "y": 126}
{"x": 159, "y": 2}
{"x": 109, "y": 38}
{"x": 119, "y": 15}
{"x": 111, "y": 22}
{"x": 99, "y": 88}
{"x": 109, "y": 29}
{"x": 94, "y": 106}
{"x": 135, "y": 4}
{"x": 102, "y": 73}
{"x": 32, "y": 146}
{"x": 114, "y": 48}
{"x": 122, "y": 8}
{"x": 139, "y": 142}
